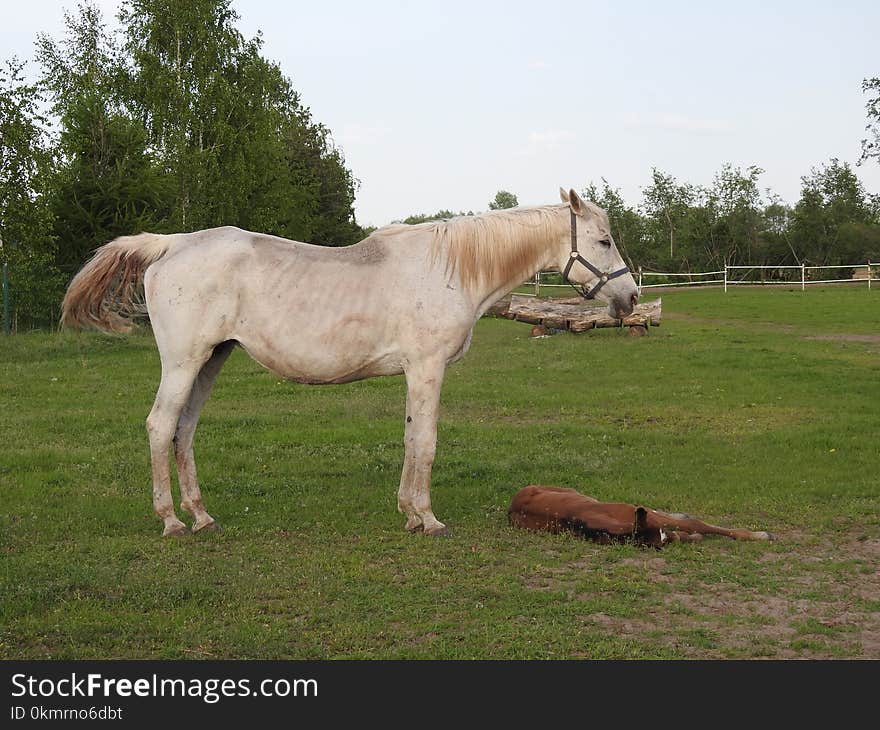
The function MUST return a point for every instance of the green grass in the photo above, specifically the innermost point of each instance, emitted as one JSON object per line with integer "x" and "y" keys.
{"x": 730, "y": 410}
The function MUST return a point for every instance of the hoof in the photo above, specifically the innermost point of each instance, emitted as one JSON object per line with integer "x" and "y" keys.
{"x": 441, "y": 531}
{"x": 212, "y": 526}
{"x": 761, "y": 535}
{"x": 179, "y": 530}
{"x": 413, "y": 524}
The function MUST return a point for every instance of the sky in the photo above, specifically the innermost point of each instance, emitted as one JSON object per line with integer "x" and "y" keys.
{"x": 440, "y": 105}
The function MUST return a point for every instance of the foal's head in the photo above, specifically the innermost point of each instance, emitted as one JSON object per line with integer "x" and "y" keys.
{"x": 596, "y": 246}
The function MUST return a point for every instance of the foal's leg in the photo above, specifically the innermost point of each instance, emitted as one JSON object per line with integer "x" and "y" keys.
{"x": 190, "y": 494}
{"x": 678, "y": 536}
{"x": 423, "y": 383}
{"x": 171, "y": 398}
{"x": 692, "y": 526}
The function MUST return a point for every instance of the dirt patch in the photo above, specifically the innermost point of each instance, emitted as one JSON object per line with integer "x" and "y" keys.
{"x": 654, "y": 569}
{"x": 630, "y": 626}
{"x": 869, "y": 339}
{"x": 786, "y": 608}
{"x": 872, "y": 339}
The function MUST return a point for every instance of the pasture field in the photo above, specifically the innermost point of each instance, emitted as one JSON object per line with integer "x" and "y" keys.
{"x": 758, "y": 408}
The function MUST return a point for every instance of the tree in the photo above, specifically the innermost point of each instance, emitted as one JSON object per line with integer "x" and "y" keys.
{"x": 736, "y": 199}
{"x": 229, "y": 128}
{"x": 503, "y": 200}
{"x": 832, "y": 197}
{"x": 25, "y": 220}
{"x": 666, "y": 203}
{"x": 181, "y": 68}
{"x": 106, "y": 184}
{"x": 871, "y": 144}
{"x": 775, "y": 232}
{"x": 333, "y": 185}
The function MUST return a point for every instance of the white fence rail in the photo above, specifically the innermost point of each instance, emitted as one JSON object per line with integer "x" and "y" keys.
{"x": 738, "y": 276}
{"x": 691, "y": 280}
{"x": 806, "y": 276}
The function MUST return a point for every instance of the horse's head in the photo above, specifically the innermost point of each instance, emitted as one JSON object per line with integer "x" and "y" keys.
{"x": 589, "y": 258}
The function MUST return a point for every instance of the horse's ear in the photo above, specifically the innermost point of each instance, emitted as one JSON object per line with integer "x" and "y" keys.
{"x": 577, "y": 205}
{"x": 641, "y": 519}
{"x": 563, "y": 195}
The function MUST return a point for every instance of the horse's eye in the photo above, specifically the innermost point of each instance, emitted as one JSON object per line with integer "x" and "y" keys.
{"x": 606, "y": 242}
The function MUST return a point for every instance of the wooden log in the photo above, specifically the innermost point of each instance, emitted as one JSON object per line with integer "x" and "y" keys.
{"x": 500, "y": 308}
{"x": 556, "y": 323}
{"x": 578, "y": 315}
{"x": 580, "y": 325}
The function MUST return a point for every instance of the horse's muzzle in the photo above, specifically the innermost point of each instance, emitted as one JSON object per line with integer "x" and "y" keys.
{"x": 623, "y": 306}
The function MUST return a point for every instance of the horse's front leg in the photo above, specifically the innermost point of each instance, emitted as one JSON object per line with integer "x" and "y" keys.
{"x": 423, "y": 383}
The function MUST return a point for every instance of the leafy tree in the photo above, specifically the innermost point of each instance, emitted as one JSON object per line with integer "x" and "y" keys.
{"x": 775, "y": 234}
{"x": 736, "y": 200}
{"x": 831, "y": 197}
{"x": 106, "y": 184}
{"x": 871, "y": 144}
{"x": 503, "y": 200}
{"x": 229, "y": 128}
{"x": 666, "y": 205}
{"x": 858, "y": 242}
{"x": 182, "y": 84}
{"x": 334, "y": 186}
{"x": 25, "y": 220}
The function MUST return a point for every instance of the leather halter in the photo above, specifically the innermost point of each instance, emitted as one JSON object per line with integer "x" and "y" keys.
{"x": 603, "y": 276}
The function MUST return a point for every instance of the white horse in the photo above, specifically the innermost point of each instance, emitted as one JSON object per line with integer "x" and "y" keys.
{"x": 403, "y": 300}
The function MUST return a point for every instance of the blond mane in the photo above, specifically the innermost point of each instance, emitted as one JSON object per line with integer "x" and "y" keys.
{"x": 492, "y": 248}
{"x": 498, "y": 247}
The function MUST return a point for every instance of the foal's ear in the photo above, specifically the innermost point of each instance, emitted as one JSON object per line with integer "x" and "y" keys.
{"x": 563, "y": 195}
{"x": 577, "y": 205}
{"x": 641, "y": 519}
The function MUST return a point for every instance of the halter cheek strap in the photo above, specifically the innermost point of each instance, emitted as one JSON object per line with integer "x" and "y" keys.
{"x": 603, "y": 276}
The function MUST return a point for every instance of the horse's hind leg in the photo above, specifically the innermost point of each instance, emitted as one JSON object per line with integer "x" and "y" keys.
{"x": 171, "y": 398}
{"x": 692, "y": 526}
{"x": 190, "y": 494}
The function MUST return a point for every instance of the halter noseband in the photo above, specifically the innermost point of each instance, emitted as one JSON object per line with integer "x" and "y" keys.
{"x": 604, "y": 277}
